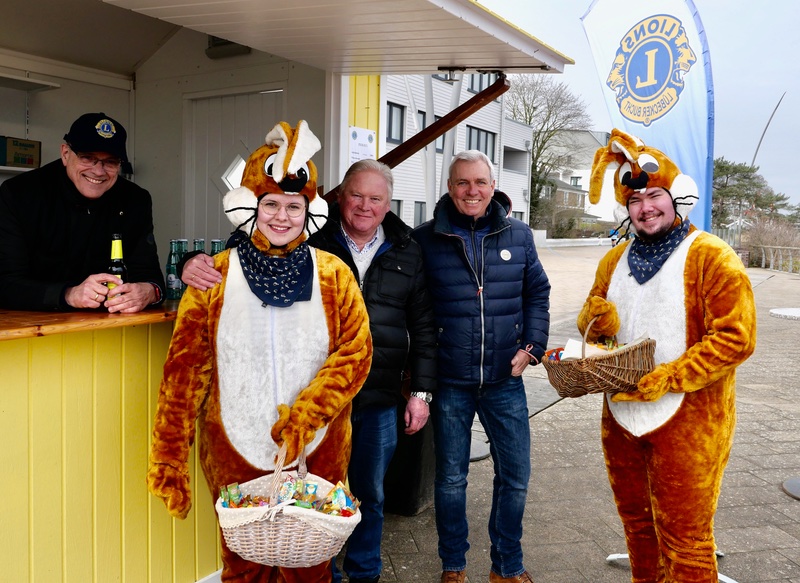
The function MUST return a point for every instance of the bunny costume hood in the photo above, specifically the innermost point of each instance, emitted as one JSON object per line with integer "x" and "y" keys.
{"x": 638, "y": 167}
{"x": 281, "y": 166}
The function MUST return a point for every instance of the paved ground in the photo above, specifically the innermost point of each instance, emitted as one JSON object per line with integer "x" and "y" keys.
{"x": 571, "y": 525}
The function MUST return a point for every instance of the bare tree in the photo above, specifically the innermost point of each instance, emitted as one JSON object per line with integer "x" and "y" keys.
{"x": 553, "y": 110}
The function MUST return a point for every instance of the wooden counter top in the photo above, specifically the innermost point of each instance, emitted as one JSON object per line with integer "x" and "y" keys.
{"x": 20, "y": 324}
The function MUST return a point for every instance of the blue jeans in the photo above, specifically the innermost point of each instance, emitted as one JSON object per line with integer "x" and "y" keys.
{"x": 374, "y": 442}
{"x": 503, "y": 410}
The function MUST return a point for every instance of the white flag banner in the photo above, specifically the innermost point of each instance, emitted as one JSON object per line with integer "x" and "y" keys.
{"x": 655, "y": 70}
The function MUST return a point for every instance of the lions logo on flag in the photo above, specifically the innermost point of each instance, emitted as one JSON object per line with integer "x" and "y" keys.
{"x": 649, "y": 68}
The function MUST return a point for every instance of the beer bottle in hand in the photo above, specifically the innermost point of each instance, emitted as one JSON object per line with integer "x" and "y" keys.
{"x": 117, "y": 265}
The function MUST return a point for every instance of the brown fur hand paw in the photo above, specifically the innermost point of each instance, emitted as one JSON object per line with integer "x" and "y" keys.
{"x": 172, "y": 486}
{"x": 283, "y": 420}
{"x": 607, "y": 322}
{"x": 296, "y": 437}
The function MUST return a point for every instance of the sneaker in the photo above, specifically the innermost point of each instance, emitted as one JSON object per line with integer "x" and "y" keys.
{"x": 454, "y": 577}
{"x": 521, "y": 578}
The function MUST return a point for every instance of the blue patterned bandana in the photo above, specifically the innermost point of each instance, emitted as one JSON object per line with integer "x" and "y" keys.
{"x": 645, "y": 258}
{"x": 277, "y": 281}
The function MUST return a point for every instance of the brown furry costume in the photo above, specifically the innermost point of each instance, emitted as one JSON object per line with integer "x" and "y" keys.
{"x": 666, "y": 445}
{"x": 254, "y": 376}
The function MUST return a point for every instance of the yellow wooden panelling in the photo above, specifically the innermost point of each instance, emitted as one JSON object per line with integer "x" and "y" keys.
{"x": 78, "y": 406}
{"x": 14, "y": 424}
{"x": 45, "y": 439}
{"x": 75, "y": 424}
{"x": 107, "y": 460}
{"x": 364, "y": 110}
{"x": 136, "y": 438}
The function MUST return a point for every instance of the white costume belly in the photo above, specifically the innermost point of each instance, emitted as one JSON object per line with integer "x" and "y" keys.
{"x": 265, "y": 357}
{"x": 655, "y": 309}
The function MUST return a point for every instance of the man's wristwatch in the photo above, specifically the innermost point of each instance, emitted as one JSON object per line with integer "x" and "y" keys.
{"x": 427, "y": 397}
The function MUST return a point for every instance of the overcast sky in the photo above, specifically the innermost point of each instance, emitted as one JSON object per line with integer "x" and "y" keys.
{"x": 755, "y": 58}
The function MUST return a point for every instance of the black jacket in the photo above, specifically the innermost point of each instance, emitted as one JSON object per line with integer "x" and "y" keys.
{"x": 52, "y": 237}
{"x": 399, "y": 308}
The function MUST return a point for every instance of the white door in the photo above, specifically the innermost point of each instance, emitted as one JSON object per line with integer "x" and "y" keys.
{"x": 220, "y": 129}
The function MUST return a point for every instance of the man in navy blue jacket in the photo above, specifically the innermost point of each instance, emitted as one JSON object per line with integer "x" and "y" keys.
{"x": 491, "y": 308}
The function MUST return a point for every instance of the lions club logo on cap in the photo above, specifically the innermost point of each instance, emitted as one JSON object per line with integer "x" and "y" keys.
{"x": 649, "y": 67}
{"x": 105, "y": 128}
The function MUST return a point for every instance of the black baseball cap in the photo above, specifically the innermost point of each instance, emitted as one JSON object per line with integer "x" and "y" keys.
{"x": 97, "y": 132}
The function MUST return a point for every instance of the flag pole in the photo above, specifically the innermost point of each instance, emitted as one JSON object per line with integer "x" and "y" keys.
{"x": 753, "y": 163}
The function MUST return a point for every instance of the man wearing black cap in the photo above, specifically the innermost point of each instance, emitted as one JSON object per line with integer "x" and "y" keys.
{"x": 56, "y": 224}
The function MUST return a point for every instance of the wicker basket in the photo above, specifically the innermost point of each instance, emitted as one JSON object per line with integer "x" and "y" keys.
{"x": 284, "y": 535}
{"x": 615, "y": 372}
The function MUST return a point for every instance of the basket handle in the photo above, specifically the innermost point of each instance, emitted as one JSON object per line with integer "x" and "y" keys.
{"x": 277, "y": 475}
{"x": 585, "y": 339}
{"x": 586, "y": 336}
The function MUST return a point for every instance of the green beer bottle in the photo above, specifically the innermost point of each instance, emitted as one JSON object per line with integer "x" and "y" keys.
{"x": 173, "y": 283}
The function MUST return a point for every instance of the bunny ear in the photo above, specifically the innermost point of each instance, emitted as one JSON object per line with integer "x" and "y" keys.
{"x": 295, "y": 147}
{"x": 622, "y": 142}
{"x": 603, "y": 157}
{"x": 621, "y": 147}
{"x": 279, "y": 138}
{"x": 303, "y": 146}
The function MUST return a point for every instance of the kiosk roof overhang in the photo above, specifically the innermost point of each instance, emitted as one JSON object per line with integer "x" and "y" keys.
{"x": 361, "y": 37}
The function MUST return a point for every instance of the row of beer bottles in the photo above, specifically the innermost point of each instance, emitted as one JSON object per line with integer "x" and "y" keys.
{"x": 177, "y": 249}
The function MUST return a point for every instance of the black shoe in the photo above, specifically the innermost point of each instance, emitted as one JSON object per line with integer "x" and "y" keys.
{"x": 365, "y": 579}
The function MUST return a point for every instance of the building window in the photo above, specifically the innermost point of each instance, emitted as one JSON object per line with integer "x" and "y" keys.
{"x": 480, "y": 81}
{"x": 419, "y": 213}
{"x": 395, "y": 123}
{"x": 396, "y": 206}
{"x": 575, "y": 181}
{"x": 440, "y": 140}
{"x": 478, "y": 139}
{"x": 444, "y": 77}
{"x": 519, "y": 215}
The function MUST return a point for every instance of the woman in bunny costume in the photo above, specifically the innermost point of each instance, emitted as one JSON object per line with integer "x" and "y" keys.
{"x": 272, "y": 355}
{"x": 667, "y": 443}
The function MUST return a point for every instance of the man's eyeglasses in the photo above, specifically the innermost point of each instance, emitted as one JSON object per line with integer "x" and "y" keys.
{"x": 293, "y": 209}
{"x": 109, "y": 164}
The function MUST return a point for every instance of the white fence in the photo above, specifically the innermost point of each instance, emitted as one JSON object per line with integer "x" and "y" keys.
{"x": 768, "y": 257}
{"x": 780, "y": 258}
{"x": 540, "y": 240}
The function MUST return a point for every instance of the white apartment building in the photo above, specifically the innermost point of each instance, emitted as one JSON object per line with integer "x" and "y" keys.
{"x": 412, "y": 102}
{"x": 583, "y": 144}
